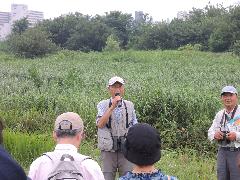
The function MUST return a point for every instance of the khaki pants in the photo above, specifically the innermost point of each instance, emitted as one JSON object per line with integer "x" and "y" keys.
{"x": 112, "y": 162}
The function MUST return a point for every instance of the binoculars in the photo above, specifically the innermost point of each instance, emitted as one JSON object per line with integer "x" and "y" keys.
{"x": 118, "y": 143}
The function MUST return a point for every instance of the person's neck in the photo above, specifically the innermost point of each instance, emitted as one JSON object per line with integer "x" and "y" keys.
{"x": 144, "y": 169}
{"x": 229, "y": 108}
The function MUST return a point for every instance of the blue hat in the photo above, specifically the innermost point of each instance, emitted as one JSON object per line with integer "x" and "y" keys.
{"x": 229, "y": 89}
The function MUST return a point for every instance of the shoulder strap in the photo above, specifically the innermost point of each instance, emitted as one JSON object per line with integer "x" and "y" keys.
{"x": 127, "y": 125}
{"x": 110, "y": 118}
{"x": 64, "y": 156}
{"x": 46, "y": 154}
{"x": 224, "y": 116}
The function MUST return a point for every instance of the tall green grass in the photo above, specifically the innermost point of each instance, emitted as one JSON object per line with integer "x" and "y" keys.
{"x": 185, "y": 164}
{"x": 176, "y": 91}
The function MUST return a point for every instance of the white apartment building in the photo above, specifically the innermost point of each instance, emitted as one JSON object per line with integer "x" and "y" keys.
{"x": 18, "y": 11}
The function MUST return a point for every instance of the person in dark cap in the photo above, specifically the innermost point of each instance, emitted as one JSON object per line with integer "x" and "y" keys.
{"x": 9, "y": 168}
{"x": 225, "y": 130}
{"x": 143, "y": 148}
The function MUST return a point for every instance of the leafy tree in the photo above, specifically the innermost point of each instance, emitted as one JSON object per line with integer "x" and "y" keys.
{"x": 20, "y": 26}
{"x": 31, "y": 43}
{"x": 120, "y": 25}
{"x": 88, "y": 36}
{"x": 112, "y": 44}
{"x": 60, "y": 28}
{"x": 221, "y": 39}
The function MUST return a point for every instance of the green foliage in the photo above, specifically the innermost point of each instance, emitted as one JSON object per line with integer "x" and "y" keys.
{"x": 190, "y": 47}
{"x": 31, "y": 43}
{"x": 112, "y": 44}
{"x": 77, "y": 32}
{"x": 120, "y": 25}
{"x": 26, "y": 147}
{"x": 236, "y": 48}
{"x": 20, "y": 26}
{"x": 187, "y": 164}
{"x": 176, "y": 91}
{"x": 220, "y": 40}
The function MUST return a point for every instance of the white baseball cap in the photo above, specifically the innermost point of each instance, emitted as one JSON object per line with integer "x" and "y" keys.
{"x": 115, "y": 79}
{"x": 229, "y": 89}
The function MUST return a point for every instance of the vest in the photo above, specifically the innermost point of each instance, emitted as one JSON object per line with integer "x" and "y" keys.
{"x": 115, "y": 128}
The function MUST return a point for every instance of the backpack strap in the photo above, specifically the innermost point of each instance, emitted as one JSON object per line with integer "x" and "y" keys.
{"x": 64, "y": 156}
{"x": 46, "y": 154}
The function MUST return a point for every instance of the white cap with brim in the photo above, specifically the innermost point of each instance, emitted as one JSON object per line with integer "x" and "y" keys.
{"x": 115, "y": 79}
{"x": 229, "y": 89}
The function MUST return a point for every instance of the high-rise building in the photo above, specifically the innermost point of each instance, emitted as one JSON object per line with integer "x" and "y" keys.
{"x": 182, "y": 15}
{"x": 139, "y": 16}
{"x": 18, "y": 11}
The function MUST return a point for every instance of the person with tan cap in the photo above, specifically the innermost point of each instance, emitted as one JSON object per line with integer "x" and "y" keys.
{"x": 115, "y": 116}
{"x": 225, "y": 130}
{"x": 65, "y": 162}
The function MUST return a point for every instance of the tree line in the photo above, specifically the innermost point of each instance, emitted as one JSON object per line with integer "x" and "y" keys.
{"x": 213, "y": 28}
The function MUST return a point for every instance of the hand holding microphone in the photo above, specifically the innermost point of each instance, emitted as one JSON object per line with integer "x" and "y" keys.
{"x": 119, "y": 102}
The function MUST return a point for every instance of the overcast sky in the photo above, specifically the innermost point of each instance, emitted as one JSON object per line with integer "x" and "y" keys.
{"x": 158, "y": 9}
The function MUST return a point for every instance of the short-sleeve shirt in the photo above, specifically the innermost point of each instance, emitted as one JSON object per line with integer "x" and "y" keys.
{"x": 147, "y": 176}
{"x": 116, "y": 113}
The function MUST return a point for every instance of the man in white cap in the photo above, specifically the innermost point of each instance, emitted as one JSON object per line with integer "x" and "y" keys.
{"x": 115, "y": 116}
{"x": 65, "y": 162}
{"x": 225, "y": 130}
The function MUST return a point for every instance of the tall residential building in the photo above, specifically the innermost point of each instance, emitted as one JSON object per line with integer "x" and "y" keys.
{"x": 18, "y": 11}
{"x": 182, "y": 15}
{"x": 139, "y": 16}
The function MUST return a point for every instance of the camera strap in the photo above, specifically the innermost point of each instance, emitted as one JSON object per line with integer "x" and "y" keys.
{"x": 110, "y": 118}
{"x": 225, "y": 116}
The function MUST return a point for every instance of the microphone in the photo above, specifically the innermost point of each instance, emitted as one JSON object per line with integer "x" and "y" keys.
{"x": 119, "y": 102}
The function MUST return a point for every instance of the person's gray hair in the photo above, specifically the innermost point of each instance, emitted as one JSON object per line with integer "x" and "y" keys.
{"x": 67, "y": 133}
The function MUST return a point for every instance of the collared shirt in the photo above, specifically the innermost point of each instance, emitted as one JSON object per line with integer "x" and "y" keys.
{"x": 42, "y": 166}
{"x": 232, "y": 125}
{"x": 117, "y": 113}
{"x": 147, "y": 176}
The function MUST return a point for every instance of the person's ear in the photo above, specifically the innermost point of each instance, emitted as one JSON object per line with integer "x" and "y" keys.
{"x": 54, "y": 135}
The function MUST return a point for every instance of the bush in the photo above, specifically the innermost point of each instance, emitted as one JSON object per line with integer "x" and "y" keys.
{"x": 31, "y": 43}
{"x": 112, "y": 44}
{"x": 236, "y": 48}
{"x": 190, "y": 47}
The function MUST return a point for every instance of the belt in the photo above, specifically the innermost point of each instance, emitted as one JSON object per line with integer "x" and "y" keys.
{"x": 230, "y": 148}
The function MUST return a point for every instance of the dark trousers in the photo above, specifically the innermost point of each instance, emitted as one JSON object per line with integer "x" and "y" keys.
{"x": 228, "y": 164}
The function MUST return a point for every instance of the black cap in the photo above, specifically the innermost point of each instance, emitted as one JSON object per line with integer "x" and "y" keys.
{"x": 142, "y": 145}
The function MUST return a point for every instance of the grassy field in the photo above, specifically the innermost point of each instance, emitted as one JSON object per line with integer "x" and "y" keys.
{"x": 184, "y": 163}
{"x": 175, "y": 91}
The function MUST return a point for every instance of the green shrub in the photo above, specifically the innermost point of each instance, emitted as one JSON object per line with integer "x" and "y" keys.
{"x": 176, "y": 91}
{"x": 31, "y": 43}
{"x": 236, "y": 48}
{"x": 190, "y": 47}
{"x": 112, "y": 44}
